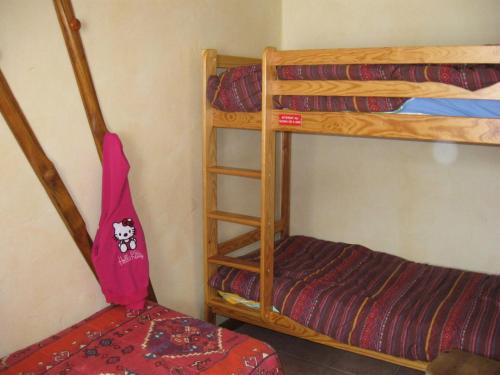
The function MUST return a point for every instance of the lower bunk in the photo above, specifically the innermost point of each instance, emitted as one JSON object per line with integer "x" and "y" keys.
{"x": 157, "y": 341}
{"x": 370, "y": 302}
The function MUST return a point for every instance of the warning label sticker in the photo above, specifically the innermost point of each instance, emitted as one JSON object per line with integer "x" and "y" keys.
{"x": 290, "y": 119}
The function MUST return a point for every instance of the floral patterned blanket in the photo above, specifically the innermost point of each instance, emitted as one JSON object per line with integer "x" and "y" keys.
{"x": 158, "y": 341}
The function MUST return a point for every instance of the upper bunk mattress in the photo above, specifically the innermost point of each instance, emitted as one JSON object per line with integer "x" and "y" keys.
{"x": 378, "y": 301}
{"x": 239, "y": 89}
{"x": 158, "y": 341}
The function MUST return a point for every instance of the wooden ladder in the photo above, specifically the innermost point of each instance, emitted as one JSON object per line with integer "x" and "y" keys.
{"x": 215, "y": 252}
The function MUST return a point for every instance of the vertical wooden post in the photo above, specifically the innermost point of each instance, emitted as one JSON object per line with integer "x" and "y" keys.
{"x": 70, "y": 27}
{"x": 45, "y": 171}
{"x": 209, "y": 179}
{"x": 286, "y": 145}
{"x": 268, "y": 166}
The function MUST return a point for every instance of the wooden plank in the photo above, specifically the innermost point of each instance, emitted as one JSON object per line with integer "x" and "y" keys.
{"x": 283, "y": 324}
{"x": 397, "y": 126}
{"x": 238, "y": 263}
{"x": 250, "y": 173}
{"x": 381, "y": 88}
{"x": 245, "y": 239}
{"x": 235, "y": 218}
{"x": 390, "y": 55}
{"x": 238, "y": 242}
{"x": 225, "y": 61}
{"x": 45, "y": 171}
{"x": 70, "y": 27}
{"x": 286, "y": 162}
{"x": 268, "y": 167}
{"x": 209, "y": 62}
{"x": 237, "y": 120}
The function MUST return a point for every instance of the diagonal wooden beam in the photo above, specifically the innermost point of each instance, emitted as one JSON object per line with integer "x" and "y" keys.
{"x": 70, "y": 27}
{"x": 45, "y": 170}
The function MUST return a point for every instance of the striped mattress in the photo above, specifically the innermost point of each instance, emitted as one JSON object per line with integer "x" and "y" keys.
{"x": 378, "y": 301}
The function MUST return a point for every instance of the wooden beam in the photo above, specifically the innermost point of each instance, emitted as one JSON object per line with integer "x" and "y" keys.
{"x": 210, "y": 225}
{"x": 268, "y": 168}
{"x": 240, "y": 172}
{"x": 245, "y": 239}
{"x": 286, "y": 162}
{"x": 390, "y": 55}
{"x": 45, "y": 171}
{"x": 236, "y": 120}
{"x": 384, "y": 89}
{"x": 235, "y": 218}
{"x": 238, "y": 263}
{"x": 225, "y": 61}
{"x": 70, "y": 27}
{"x": 396, "y": 126}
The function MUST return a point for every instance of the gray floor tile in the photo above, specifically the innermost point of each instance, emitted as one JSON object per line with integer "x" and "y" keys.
{"x": 296, "y": 366}
{"x": 408, "y": 371}
{"x": 312, "y": 358}
{"x": 360, "y": 365}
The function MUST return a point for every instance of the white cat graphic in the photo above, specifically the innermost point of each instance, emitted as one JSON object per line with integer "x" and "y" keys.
{"x": 124, "y": 234}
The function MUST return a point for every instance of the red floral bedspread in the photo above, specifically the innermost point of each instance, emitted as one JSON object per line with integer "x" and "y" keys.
{"x": 378, "y": 301}
{"x": 158, "y": 341}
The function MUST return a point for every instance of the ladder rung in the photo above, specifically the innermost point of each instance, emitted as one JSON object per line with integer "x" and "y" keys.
{"x": 235, "y": 263}
{"x": 251, "y": 173}
{"x": 235, "y": 218}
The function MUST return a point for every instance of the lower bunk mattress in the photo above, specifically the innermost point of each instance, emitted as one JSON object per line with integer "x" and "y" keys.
{"x": 377, "y": 301}
{"x": 158, "y": 341}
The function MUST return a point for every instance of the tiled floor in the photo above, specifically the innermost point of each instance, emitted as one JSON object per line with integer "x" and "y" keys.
{"x": 307, "y": 358}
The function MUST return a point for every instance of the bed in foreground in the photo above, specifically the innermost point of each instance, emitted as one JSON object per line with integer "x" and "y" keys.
{"x": 157, "y": 341}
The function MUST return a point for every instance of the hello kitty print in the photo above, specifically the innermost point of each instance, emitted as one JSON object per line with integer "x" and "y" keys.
{"x": 125, "y": 235}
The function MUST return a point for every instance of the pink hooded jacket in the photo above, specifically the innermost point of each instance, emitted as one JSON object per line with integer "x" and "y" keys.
{"x": 119, "y": 252}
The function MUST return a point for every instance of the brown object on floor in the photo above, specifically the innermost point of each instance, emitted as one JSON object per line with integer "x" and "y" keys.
{"x": 456, "y": 362}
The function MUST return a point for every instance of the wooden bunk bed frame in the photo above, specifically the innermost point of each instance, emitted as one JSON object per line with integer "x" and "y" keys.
{"x": 379, "y": 125}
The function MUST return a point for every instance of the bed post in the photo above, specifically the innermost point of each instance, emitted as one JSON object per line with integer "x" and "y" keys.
{"x": 268, "y": 166}
{"x": 45, "y": 171}
{"x": 70, "y": 27}
{"x": 286, "y": 144}
{"x": 210, "y": 234}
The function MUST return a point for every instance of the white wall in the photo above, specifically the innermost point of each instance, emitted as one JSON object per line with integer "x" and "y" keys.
{"x": 145, "y": 57}
{"x": 430, "y": 202}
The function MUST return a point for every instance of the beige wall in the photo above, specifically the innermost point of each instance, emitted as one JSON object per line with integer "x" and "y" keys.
{"x": 408, "y": 198}
{"x": 145, "y": 58}
{"x": 430, "y": 202}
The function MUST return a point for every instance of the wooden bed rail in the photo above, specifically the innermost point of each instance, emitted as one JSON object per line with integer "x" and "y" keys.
{"x": 384, "y": 125}
{"x": 45, "y": 171}
{"x": 225, "y": 61}
{"x": 389, "y": 55}
{"x": 70, "y": 27}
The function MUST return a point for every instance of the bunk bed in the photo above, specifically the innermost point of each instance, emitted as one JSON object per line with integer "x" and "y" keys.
{"x": 155, "y": 340}
{"x": 283, "y": 283}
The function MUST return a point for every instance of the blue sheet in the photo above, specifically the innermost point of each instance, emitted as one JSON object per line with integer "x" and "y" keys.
{"x": 452, "y": 107}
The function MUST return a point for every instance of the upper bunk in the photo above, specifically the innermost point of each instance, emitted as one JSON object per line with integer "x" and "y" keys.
{"x": 460, "y": 129}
